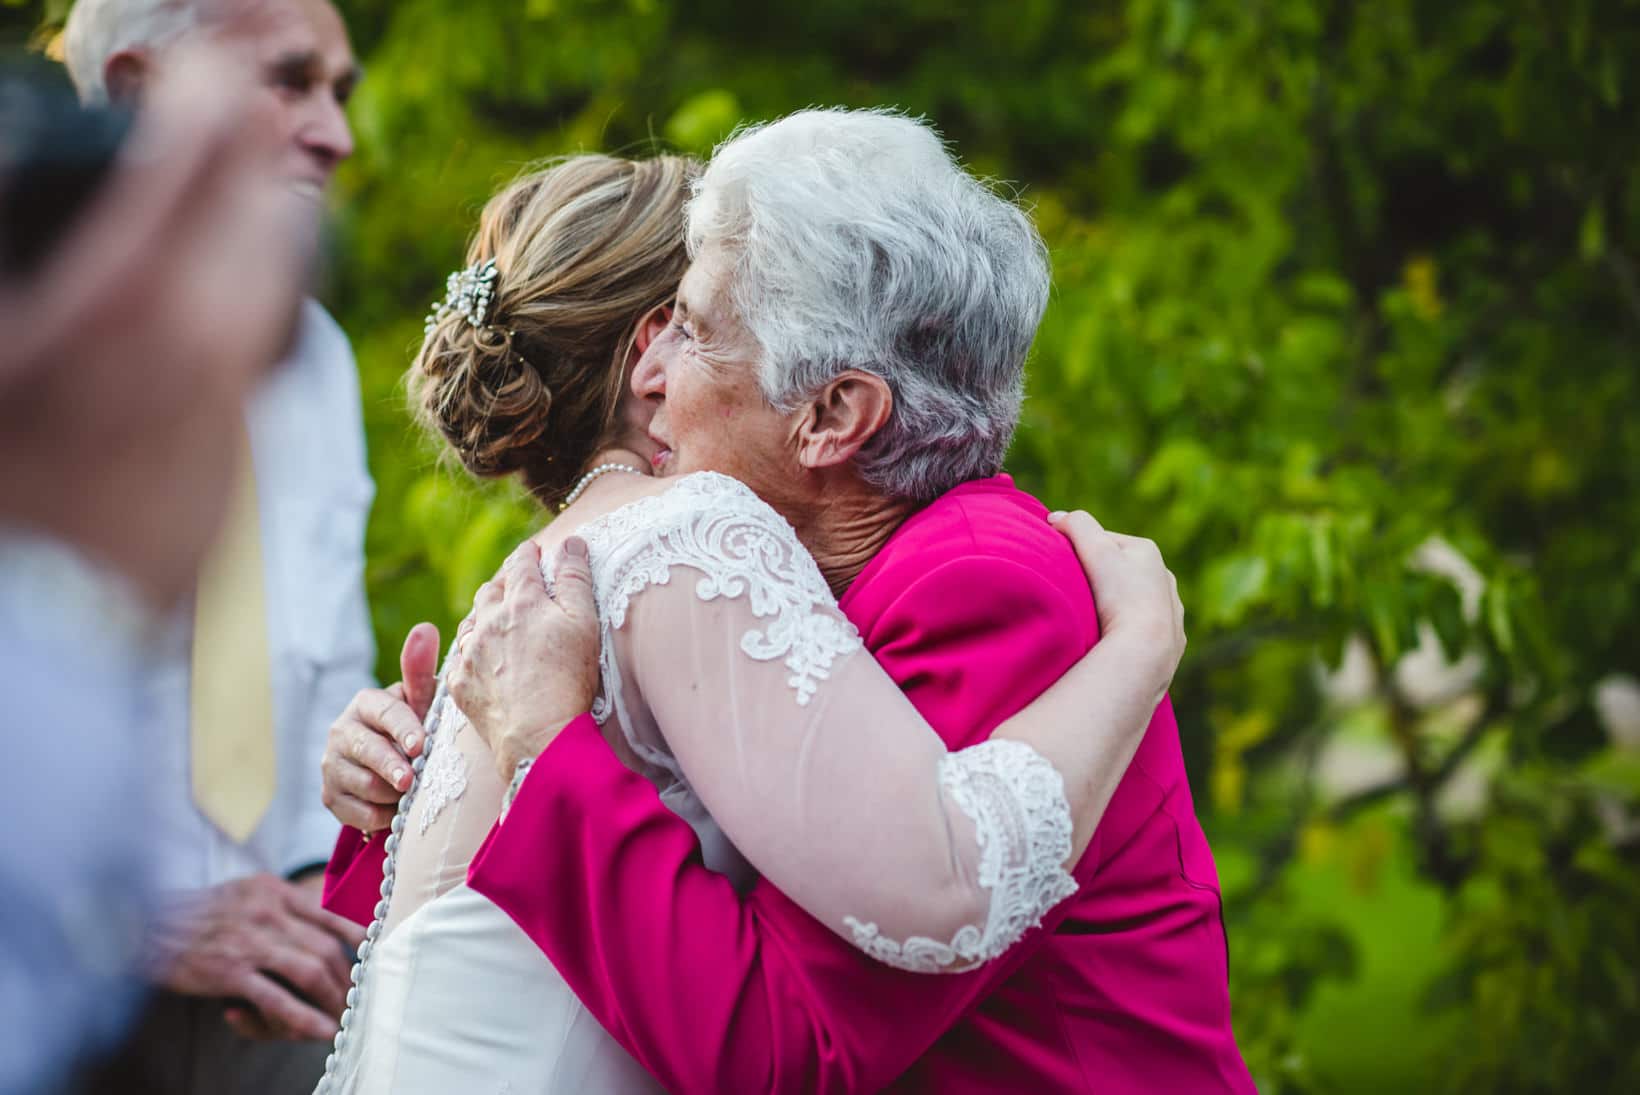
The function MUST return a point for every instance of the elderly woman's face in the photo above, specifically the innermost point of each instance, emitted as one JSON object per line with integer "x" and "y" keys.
{"x": 701, "y": 373}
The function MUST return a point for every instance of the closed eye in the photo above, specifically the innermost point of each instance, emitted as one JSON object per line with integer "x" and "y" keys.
{"x": 293, "y": 75}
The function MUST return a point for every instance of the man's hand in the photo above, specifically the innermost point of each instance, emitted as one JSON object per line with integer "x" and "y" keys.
{"x": 266, "y": 945}
{"x": 366, "y": 766}
{"x": 526, "y": 660}
{"x": 1136, "y": 595}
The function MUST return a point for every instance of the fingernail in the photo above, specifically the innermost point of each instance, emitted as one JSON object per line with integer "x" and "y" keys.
{"x": 401, "y": 778}
{"x": 1057, "y": 515}
{"x": 413, "y": 741}
{"x": 575, "y": 548}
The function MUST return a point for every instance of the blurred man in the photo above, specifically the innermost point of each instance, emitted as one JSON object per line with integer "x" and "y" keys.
{"x": 253, "y": 973}
{"x": 127, "y": 356}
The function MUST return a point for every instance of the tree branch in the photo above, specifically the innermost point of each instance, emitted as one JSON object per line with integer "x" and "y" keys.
{"x": 1438, "y": 860}
{"x": 1350, "y": 805}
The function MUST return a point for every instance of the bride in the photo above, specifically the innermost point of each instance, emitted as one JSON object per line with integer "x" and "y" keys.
{"x": 807, "y": 764}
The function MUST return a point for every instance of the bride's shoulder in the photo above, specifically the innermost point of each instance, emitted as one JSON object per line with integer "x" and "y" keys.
{"x": 715, "y": 525}
{"x": 687, "y": 500}
{"x": 714, "y": 488}
{"x": 702, "y": 512}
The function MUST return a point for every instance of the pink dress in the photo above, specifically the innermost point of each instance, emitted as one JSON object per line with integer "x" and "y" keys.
{"x": 974, "y": 607}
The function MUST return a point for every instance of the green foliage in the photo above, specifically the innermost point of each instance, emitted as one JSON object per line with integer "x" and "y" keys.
{"x": 1545, "y": 931}
{"x": 1335, "y": 283}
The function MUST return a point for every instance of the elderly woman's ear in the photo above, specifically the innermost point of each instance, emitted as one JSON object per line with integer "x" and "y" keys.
{"x": 841, "y": 418}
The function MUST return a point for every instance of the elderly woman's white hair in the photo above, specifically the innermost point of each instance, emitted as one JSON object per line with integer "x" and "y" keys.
{"x": 98, "y": 29}
{"x": 860, "y": 243}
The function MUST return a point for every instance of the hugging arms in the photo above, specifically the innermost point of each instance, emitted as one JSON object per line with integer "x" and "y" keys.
{"x": 842, "y": 817}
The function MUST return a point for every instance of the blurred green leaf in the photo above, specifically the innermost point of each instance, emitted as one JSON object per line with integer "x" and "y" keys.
{"x": 1231, "y": 585}
{"x": 703, "y": 120}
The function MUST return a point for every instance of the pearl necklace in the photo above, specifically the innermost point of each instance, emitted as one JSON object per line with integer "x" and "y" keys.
{"x": 590, "y": 477}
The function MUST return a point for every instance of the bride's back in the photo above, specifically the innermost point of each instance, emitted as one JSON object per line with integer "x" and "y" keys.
{"x": 453, "y": 990}
{"x": 458, "y": 795}
{"x": 458, "y": 798}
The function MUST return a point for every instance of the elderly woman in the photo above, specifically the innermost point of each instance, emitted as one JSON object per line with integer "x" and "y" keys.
{"x": 804, "y": 745}
{"x": 849, "y": 343}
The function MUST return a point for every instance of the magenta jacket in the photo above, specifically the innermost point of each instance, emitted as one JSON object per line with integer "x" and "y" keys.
{"x": 974, "y": 607}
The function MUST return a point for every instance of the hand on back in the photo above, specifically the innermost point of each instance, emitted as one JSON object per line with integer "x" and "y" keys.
{"x": 1136, "y": 594}
{"x": 527, "y": 659}
{"x": 526, "y": 663}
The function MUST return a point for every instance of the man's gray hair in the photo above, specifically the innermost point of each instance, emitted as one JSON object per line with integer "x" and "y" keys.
{"x": 98, "y": 29}
{"x": 858, "y": 242}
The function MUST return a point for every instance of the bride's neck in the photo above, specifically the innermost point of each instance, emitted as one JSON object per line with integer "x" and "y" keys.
{"x": 617, "y": 454}
{"x": 593, "y": 486}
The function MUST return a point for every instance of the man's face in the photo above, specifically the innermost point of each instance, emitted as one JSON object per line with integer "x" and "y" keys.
{"x": 701, "y": 376}
{"x": 304, "y": 65}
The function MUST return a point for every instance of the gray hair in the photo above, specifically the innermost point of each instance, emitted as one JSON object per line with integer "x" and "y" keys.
{"x": 860, "y": 243}
{"x": 98, "y": 29}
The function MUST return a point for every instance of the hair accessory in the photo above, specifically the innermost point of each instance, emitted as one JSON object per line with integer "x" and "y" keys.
{"x": 466, "y": 293}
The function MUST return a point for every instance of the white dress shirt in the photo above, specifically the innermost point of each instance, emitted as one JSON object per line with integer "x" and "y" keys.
{"x": 74, "y": 873}
{"x": 314, "y": 492}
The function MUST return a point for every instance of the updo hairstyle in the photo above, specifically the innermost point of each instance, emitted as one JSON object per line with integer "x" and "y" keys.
{"x": 584, "y": 250}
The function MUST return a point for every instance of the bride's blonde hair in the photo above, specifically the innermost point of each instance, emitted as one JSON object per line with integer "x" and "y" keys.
{"x": 584, "y": 249}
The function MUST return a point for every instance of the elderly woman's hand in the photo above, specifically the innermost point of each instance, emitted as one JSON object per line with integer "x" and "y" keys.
{"x": 1137, "y": 596}
{"x": 526, "y": 659}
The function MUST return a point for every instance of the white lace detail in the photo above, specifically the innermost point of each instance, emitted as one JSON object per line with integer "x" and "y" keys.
{"x": 1022, "y": 824}
{"x": 445, "y": 777}
{"x": 740, "y": 547}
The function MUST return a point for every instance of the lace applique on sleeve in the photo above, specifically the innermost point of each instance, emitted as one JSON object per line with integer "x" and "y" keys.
{"x": 739, "y": 547}
{"x": 1016, "y": 800}
{"x": 742, "y": 548}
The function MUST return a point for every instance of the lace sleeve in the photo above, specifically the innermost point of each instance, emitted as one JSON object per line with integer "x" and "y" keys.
{"x": 731, "y": 668}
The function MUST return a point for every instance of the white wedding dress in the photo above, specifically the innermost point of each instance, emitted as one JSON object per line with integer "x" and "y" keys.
{"x": 732, "y": 681}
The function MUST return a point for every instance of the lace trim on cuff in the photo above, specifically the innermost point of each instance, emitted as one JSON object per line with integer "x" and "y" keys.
{"x": 1022, "y": 823}
{"x": 520, "y": 774}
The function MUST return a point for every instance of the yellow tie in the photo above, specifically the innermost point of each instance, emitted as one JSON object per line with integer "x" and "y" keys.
{"x": 231, "y": 708}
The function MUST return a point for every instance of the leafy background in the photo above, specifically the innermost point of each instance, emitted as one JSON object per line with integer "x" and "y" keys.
{"x": 1346, "y": 317}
